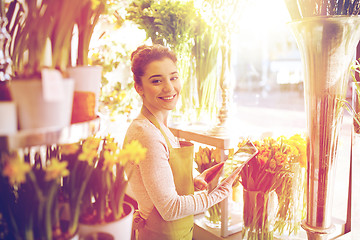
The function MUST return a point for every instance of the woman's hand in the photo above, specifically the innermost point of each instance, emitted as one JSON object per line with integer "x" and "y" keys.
{"x": 201, "y": 181}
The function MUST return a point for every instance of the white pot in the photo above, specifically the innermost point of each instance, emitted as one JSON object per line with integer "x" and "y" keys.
{"x": 119, "y": 230}
{"x": 8, "y": 119}
{"x": 34, "y": 111}
{"x": 87, "y": 79}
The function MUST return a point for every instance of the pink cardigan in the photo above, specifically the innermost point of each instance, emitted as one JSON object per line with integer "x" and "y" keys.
{"x": 152, "y": 181}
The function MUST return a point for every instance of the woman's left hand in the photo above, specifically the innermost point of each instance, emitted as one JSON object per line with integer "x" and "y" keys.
{"x": 201, "y": 181}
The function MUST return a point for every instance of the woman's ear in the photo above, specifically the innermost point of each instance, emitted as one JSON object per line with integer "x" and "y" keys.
{"x": 139, "y": 89}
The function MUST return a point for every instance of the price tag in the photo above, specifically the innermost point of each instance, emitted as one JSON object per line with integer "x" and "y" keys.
{"x": 52, "y": 85}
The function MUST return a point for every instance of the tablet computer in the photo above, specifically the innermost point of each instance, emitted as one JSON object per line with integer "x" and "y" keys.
{"x": 246, "y": 153}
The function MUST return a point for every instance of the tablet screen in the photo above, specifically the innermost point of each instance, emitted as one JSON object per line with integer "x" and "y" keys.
{"x": 235, "y": 165}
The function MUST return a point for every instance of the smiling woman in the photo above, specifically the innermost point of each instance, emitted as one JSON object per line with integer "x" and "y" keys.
{"x": 160, "y": 87}
{"x": 163, "y": 183}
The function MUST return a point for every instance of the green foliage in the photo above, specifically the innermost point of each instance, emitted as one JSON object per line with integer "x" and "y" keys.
{"x": 117, "y": 97}
{"x": 166, "y": 22}
{"x": 195, "y": 30}
{"x": 40, "y": 29}
{"x": 179, "y": 25}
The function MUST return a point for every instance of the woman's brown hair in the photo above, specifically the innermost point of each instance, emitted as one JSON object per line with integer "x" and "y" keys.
{"x": 144, "y": 55}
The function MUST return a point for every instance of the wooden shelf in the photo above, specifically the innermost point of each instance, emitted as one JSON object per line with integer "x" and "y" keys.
{"x": 48, "y": 136}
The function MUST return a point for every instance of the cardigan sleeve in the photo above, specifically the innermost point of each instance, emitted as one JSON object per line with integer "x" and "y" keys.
{"x": 152, "y": 181}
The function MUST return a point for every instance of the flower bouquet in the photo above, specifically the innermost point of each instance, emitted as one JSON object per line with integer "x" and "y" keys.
{"x": 103, "y": 201}
{"x": 263, "y": 179}
{"x": 205, "y": 158}
{"x": 291, "y": 193}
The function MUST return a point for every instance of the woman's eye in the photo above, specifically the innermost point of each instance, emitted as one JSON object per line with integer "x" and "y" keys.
{"x": 156, "y": 81}
{"x": 174, "y": 78}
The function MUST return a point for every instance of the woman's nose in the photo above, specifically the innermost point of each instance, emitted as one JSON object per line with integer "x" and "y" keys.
{"x": 168, "y": 86}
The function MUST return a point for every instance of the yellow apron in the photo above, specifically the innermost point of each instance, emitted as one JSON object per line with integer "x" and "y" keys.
{"x": 181, "y": 163}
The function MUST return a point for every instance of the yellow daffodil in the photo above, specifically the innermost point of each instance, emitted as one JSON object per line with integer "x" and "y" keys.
{"x": 111, "y": 146}
{"x": 68, "y": 149}
{"x": 89, "y": 150}
{"x": 91, "y": 143}
{"x": 133, "y": 152}
{"x": 110, "y": 160}
{"x": 56, "y": 169}
{"x": 16, "y": 169}
{"x": 88, "y": 155}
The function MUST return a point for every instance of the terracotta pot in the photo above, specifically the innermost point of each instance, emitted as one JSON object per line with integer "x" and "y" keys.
{"x": 87, "y": 92}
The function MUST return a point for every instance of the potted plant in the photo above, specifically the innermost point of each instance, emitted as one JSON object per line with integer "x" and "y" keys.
{"x": 104, "y": 209}
{"x": 81, "y": 165}
{"x": 28, "y": 195}
{"x": 87, "y": 77}
{"x": 37, "y": 28}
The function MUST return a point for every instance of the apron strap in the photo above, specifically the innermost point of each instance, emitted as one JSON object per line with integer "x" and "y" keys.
{"x": 154, "y": 121}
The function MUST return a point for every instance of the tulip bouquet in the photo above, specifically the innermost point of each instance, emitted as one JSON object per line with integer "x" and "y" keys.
{"x": 206, "y": 158}
{"x": 266, "y": 176}
{"x": 291, "y": 193}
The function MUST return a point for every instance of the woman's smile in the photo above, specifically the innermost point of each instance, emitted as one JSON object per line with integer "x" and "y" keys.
{"x": 169, "y": 97}
{"x": 161, "y": 86}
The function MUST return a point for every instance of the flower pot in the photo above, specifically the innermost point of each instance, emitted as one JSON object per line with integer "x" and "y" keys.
{"x": 34, "y": 111}
{"x": 119, "y": 229}
{"x": 259, "y": 215}
{"x": 327, "y": 45}
{"x": 87, "y": 92}
{"x": 8, "y": 119}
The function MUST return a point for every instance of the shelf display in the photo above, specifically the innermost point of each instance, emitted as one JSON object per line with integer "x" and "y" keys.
{"x": 33, "y": 173}
{"x": 48, "y": 136}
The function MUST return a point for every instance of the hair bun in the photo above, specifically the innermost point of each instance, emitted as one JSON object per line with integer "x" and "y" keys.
{"x": 138, "y": 50}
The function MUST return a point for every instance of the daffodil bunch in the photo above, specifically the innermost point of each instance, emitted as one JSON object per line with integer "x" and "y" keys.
{"x": 108, "y": 181}
{"x": 81, "y": 158}
{"x": 206, "y": 158}
{"x": 28, "y": 195}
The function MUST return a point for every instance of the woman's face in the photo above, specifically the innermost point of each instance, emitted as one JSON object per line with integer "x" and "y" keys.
{"x": 161, "y": 85}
